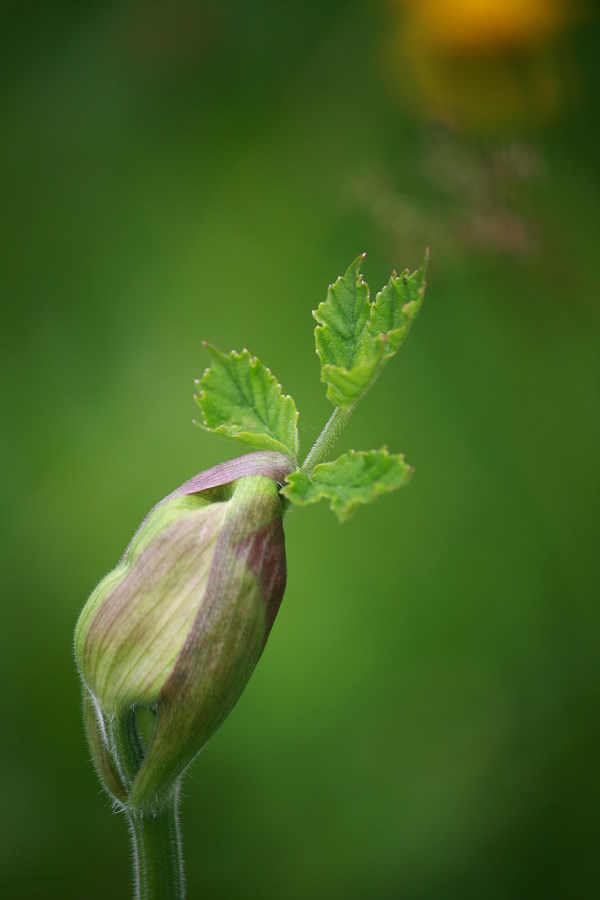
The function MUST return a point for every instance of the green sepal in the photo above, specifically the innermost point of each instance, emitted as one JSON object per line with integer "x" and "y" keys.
{"x": 180, "y": 623}
{"x": 355, "y": 338}
{"x": 241, "y": 399}
{"x": 224, "y": 644}
{"x": 98, "y": 743}
{"x": 352, "y": 479}
{"x": 132, "y": 628}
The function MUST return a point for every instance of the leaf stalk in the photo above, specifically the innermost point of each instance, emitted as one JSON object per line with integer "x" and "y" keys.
{"x": 324, "y": 443}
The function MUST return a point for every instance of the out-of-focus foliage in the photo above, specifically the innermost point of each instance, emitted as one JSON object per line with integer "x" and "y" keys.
{"x": 423, "y": 723}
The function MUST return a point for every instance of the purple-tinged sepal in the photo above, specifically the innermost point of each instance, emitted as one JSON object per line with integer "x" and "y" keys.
{"x": 180, "y": 624}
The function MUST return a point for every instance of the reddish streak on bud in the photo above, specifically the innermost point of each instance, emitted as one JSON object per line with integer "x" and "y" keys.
{"x": 265, "y": 557}
{"x": 269, "y": 463}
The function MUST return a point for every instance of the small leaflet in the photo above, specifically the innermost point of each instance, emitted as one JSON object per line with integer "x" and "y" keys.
{"x": 355, "y": 337}
{"x": 354, "y": 478}
{"x": 242, "y": 400}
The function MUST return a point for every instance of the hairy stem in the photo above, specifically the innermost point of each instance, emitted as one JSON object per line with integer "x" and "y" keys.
{"x": 155, "y": 836}
{"x": 157, "y": 856}
{"x": 327, "y": 438}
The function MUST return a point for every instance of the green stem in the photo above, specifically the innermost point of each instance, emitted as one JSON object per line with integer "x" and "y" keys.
{"x": 155, "y": 838}
{"x": 157, "y": 857}
{"x": 327, "y": 438}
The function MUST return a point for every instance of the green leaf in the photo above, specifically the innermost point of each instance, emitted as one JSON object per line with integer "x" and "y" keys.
{"x": 347, "y": 386}
{"x": 352, "y": 479}
{"x": 343, "y": 318}
{"x": 355, "y": 338}
{"x": 241, "y": 399}
{"x": 396, "y": 306}
{"x": 345, "y": 347}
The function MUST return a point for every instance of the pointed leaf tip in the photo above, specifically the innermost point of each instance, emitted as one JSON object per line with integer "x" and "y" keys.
{"x": 351, "y": 329}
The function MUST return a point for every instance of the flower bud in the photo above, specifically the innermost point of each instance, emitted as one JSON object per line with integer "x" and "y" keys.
{"x": 179, "y": 625}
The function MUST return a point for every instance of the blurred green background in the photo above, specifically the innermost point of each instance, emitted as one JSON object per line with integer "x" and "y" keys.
{"x": 424, "y": 722}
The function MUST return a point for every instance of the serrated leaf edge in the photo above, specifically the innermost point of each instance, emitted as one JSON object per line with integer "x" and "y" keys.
{"x": 348, "y": 508}
{"x": 384, "y": 336}
{"x": 356, "y": 264}
{"x": 221, "y": 429}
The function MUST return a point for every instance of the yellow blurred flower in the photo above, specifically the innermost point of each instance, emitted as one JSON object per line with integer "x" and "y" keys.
{"x": 488, "y": 26}
{"x": 481, "y": 63}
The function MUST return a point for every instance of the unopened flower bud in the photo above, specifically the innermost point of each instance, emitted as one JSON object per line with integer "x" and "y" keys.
{"x": 179, "y": 625}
